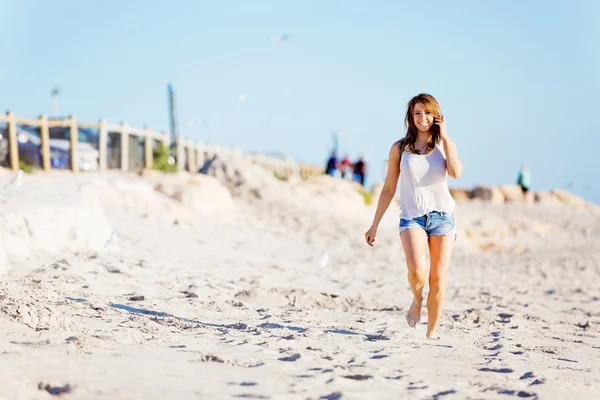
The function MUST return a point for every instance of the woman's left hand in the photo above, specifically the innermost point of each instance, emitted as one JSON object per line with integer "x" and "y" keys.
{"x": 442, "y": 124}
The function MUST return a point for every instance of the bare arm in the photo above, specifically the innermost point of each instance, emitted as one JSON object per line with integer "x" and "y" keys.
{"x": 389, "y": 187}
{"x": 453, "y": 163}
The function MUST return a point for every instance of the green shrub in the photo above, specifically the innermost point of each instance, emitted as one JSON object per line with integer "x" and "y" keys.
{"x": 161, "y": 156}
{"x": 367, "y": 196}
{"x": 28, "y": 169}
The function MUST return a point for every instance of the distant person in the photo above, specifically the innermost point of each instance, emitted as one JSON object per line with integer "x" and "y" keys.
{"x": 426, "y": 155}
{"x": 346, "y": 167}
{"x": 332, "y": 164}
{"x": 359, "y": 171}
{"x": 524, "y": 181}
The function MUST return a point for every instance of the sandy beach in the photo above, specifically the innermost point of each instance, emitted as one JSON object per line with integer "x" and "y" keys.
{"x": 120, "y": 286}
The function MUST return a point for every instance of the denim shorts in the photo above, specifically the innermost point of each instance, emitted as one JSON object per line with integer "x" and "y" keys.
{"x": 436, "y": 223}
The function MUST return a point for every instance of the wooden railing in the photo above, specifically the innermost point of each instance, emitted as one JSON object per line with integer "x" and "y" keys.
{"x": 190, "y": 155}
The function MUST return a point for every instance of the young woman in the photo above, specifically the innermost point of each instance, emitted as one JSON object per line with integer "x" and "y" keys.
{"x": 425, "y": 156}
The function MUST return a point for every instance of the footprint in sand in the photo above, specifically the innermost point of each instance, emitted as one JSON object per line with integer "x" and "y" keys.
{"x": 413, "y": 386}
{"x": 519, "y": 393}
{"x": 332, "y": 396}
{"x": 378, "y": 357}
{"x": 439, "y": 395}
{"x": 55, "y": 390}
{"x": 493, "y": 348}
{"x": 243, "y": 383}
{"x": 531, "y": 375}
{"x": 397, "y": 377}
{"x": 537, "y": 382}
{"x": 504, "y": 318}
{"x": 567, "y": 360}
{"x": 358, "y": 377}
{"x": 291, "y": 358}
{"x": 497, "y": 370}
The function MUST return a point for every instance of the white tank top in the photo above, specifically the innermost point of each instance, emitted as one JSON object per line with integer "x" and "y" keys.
{"x": 424, "y": 184}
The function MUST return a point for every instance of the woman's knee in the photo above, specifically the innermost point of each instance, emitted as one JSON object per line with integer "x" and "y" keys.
{"x": 416, "y": 274}
{"x": 437, "y": 280}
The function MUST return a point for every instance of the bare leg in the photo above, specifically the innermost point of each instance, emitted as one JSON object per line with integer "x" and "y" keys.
{"x": 440, "y": 252}
{"x": 414, "y": 243}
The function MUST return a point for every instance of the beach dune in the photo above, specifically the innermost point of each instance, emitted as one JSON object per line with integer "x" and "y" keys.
{"x": 153, "y": 286}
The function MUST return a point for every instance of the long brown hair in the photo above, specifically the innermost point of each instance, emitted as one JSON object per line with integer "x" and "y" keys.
{"x": 431, "y": 105}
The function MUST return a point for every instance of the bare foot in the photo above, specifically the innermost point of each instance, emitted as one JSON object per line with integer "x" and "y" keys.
{"x": 432, "y": 336}
{"x": 413, "y": 316}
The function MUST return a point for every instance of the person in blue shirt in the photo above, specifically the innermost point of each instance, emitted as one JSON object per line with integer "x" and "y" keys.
{"x": 524, "y": 181}
{"x": 332, "y": 164}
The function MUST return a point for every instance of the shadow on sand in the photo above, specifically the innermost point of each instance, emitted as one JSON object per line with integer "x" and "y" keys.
{"x": 238, "y": 326}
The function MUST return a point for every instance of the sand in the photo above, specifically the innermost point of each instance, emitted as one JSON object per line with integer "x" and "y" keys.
{"x": 118, "y": 286}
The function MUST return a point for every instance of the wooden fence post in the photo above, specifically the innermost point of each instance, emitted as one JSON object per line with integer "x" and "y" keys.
{"x": 180, "y": 153}
{"x": 74, "y": 134}
{"x": 148, "y": 148}
{"x": 124, "y": 147}
{"x": 165, "y": 138}
{"x": 199, "y": 157}
{"x": 12, "y": 141}
{"x": 166, "y": 141}
{"x": 45, "y": 137}
{"x": 102, "y": 144}
{"x": 191, "y": 154}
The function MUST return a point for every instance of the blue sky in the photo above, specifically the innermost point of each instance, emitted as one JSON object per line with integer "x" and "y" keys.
{"x": 518, "y": 81}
